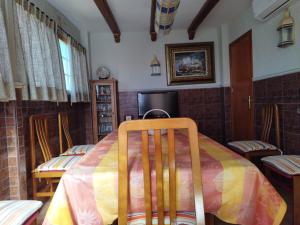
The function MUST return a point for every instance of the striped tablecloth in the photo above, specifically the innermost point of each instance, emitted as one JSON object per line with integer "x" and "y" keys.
{"x": 234, "y": 189}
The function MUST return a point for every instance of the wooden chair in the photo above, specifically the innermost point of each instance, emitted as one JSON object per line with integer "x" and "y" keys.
{"x": 157, "y": 124}
{"x": 15, "y": 212}
{"x": 52, "y": 168}
{"x": 286, "y": 167}
{"x": 64, "y": 131}
{"x": 253, "y": 149}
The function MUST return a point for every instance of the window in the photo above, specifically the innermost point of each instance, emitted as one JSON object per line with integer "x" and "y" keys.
{"x": 67, "y": 62}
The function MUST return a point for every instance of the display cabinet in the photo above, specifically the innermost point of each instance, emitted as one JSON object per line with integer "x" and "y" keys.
{"x": 104, "y": 107}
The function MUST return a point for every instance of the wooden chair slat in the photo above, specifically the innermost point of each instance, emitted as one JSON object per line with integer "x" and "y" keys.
{"x": 267, "y": 120}
{"x": 277, "y": 129}
{"x": 64, "y": 130}
{"x": 147, "y": 177}
{"x": 172, "y": 176}
{"x": 196, "y": 172}
{"x": 123, "y": 176}
{"x": 159, "y": 177}
{"x": 67, "y": 131}
{"x": 41, "y": 135}
{"x": 269, "y": 123}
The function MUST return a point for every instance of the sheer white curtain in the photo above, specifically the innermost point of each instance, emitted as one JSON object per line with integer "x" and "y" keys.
{"x": 80, "y": 87}
{"x": 44, "y": 71}
{"x": 7, "y": 89}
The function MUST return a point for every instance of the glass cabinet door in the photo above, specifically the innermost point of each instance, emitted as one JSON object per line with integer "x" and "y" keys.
{"x": 104, "y": 110}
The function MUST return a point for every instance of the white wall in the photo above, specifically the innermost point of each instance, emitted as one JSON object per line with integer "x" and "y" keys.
{"x": 268, "y": 59}
{"x": 129, "y": 60}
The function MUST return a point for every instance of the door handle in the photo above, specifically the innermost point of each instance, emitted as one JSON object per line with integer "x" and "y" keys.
{"x": 249, "y": 102}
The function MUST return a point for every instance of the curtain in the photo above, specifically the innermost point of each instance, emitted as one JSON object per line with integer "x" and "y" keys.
{"x": 79, "y": 84}
{"x": 42, "y": 60}
{"x": 7, "y": 89}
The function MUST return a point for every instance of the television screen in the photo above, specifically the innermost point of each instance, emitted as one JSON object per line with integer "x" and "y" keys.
{"x": 167, "y": 100}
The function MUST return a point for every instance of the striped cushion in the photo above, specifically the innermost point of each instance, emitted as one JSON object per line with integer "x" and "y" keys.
{"x": 61, "y": 163}
{"x": 288, "y": 164}
{"x": 78, "y": 150}
{"x": 187, "y": 218}
{"x": 248, "y": 146}
{"x": 17, "y": 212}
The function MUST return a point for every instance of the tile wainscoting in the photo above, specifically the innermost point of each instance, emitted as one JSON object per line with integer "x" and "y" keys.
{"x": 205, "y": 106}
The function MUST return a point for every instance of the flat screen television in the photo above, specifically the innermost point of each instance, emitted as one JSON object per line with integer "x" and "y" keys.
{"x": 165, "y": 100}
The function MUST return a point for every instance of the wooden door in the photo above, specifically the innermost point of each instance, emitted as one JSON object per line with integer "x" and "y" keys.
{"x": 241, "y": 72}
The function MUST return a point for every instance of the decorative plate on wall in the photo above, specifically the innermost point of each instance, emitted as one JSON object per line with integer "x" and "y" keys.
{"x": 102, "y": 72}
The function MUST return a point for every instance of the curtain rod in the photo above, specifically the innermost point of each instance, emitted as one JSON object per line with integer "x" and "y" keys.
{"x": 32, "y": 8}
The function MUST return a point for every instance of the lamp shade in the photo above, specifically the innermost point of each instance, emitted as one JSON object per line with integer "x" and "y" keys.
{"x": 165, "y": 15}
{"x": 286, "y": 30}
{"x": 155, "y": 66}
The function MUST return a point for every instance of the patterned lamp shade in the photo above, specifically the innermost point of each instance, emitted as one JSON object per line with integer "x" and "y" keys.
{"x": 165, "y": 14}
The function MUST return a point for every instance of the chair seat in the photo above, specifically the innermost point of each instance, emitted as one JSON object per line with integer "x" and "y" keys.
{"x": 61, "y": 163}
{"x": 287, "y": 164}
{"x": 253, "y": 145}
{"x": 17, "y": 212}
{"x": 186, "y": 218}
{"x": 78, "y": 150}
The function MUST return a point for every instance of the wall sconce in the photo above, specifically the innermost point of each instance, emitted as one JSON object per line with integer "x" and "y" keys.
{"x": 286, "y": 30}
{"x": 155, "y": 66}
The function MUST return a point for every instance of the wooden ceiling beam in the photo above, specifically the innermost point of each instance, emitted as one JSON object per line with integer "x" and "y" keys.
{"x": 153, "y": 33}
{"x": 202, "y": 14}
{"x": 110, "y": 19}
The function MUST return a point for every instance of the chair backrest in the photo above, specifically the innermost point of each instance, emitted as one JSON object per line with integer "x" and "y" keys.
{"x": 157, "y": 124}
{"x": 38, "y": 127}
{"x": 64, "y": 130}
{"x": 269, "y": 114}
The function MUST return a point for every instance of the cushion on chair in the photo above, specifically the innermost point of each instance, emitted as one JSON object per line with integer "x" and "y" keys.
{"x": 78, "y": 150}
{"x": 187, "y": 218}
{"x": 61, "y": 163}
{"x": 288, "y": 164}
{"x": 254, "y": 145}
{"x": 17, "y": 212}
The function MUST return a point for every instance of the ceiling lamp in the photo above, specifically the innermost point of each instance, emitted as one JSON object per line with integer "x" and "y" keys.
{"x": 165, "y": 14}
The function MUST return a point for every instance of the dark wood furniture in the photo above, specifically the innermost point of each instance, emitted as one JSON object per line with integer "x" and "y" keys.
{"x": 104, "y": 108}
{"x": 157, "y": 124}
{"x": 270, "y": 114}
{"x": 294, "y": 181}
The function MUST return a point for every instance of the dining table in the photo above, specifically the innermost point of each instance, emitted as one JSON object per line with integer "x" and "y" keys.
{"x": 234, "y": 189}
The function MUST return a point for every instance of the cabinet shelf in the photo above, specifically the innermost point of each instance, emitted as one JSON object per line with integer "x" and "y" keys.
{"x": 104, "y": 96}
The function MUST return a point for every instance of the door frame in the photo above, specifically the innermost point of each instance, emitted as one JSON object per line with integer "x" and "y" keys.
{"x": 248, "y": 33}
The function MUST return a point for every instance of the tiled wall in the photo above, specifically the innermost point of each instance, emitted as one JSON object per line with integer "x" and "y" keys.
{"x": 4, "y": 178}
{"x": 205, "y": 106}
{"x": 15, "y": 161}
{"x": 284, "y": 91}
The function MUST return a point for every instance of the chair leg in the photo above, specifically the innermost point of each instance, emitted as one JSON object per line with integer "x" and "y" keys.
{"x": 34, "y": 188}
{"x": 296, "y": 199}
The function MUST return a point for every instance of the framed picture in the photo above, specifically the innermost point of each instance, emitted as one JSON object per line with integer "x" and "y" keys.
{"x": 191, "y": 63}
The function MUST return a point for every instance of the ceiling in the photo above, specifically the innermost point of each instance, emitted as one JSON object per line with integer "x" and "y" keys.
{"x": 134, "y": 15}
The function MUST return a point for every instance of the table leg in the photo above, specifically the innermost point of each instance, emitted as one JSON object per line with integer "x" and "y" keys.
{"x": 296, "y": 199}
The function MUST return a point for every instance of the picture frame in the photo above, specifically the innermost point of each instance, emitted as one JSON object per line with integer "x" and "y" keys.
{"x": 190, "y": 63}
